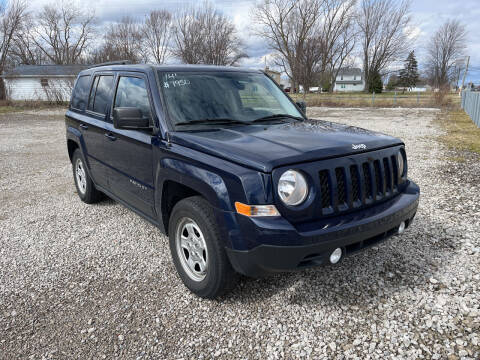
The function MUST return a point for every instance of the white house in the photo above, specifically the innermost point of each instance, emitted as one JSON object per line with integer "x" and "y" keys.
{"x": 41, "y": 82}
{"x": 349, "y": 79}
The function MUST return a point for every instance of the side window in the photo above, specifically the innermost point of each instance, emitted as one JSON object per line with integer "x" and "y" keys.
{"x": 80, "y": 93}
{"x": 101, "y": 94}
{"x": 132, "y": 92}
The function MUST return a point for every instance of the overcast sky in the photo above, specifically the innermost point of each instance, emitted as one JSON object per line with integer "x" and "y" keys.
{"x": 427, "y": 16}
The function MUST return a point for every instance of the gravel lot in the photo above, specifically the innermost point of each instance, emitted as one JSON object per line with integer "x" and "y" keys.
{"x": 80, "y": 281}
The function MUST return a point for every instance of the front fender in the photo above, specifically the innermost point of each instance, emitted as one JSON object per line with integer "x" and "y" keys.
{"x": 219, "y": 181}
{"x": 208, "y": 184}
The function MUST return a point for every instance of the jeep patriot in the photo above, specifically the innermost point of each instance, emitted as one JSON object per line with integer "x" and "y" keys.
{"x": 226, "y": 164}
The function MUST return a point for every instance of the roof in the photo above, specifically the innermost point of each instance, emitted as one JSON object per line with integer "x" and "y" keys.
{"x": 44, "y": 70}
{"x": 350, "y": 71}
{"x": 169, "y": 68}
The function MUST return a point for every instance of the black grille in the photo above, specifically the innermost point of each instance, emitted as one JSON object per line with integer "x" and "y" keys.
{"x": 388, "y": 175}
{"x": 393, "y": 159}
{"x": 368, "y": 181}
{"x": 378, "y": 174}
{"x": 355, "y": 183}
{"x": 352, "y": 186}
{"x": 325, "y": 188}
{"x": 341, "y": 184}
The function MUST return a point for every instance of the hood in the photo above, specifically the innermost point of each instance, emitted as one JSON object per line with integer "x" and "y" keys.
{"x": 265, "y": 147}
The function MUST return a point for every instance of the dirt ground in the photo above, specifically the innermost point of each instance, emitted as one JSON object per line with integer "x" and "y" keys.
{"x": 96, "y": 281}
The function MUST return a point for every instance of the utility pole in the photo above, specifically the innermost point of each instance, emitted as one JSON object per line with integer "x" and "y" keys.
{"x": 465, "y": 73}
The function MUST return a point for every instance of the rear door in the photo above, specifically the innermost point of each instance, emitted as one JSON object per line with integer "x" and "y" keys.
{"x": 129, "y": 152}
{"x": 93, "y": 125}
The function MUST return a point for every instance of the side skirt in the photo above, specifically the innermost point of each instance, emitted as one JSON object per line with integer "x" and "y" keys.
{"x": 135, "y": 210}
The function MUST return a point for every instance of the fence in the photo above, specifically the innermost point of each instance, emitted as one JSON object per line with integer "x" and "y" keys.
{"x": 471, "y": 105}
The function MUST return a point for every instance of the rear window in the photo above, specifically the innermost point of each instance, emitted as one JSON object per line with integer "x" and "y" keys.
{"x": 102, "y": 89}
{"x": 80, "y": 92}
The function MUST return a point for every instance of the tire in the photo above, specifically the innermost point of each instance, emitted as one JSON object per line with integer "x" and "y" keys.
{"x": 85, "y": 188}
{"x": 197, "y": 249}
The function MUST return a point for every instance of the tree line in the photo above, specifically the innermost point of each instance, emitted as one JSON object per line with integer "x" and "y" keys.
{"x": 66, "y": 33}
{"x": 310, "y": 39}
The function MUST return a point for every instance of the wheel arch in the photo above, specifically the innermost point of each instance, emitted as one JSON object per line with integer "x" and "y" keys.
{"x": 177, "y": 180}
{"x": 71, "y": 146}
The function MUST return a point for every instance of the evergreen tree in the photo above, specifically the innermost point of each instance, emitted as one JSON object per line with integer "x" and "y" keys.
{"x": 376, "y": 83}
{"x": 409, "y": 74}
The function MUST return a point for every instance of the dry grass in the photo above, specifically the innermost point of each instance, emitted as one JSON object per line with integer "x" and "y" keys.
{"x": 389, "y": 99}
{"x": 461, "y": 132}
{"x": 7, "y": 106}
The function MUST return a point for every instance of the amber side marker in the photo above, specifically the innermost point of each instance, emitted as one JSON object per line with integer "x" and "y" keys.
{"x": 256, "y": 210}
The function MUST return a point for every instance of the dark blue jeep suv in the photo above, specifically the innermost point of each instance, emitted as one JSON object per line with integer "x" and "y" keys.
{"x": 227, "y": 165}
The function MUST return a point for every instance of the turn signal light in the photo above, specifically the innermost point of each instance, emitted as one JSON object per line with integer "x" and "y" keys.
{"x": 256, "y": 210}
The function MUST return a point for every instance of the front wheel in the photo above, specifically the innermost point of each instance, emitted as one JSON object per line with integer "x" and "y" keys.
{"x": 197, "y": 250}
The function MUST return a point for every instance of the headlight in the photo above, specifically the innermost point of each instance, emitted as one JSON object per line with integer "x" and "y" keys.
{"x": 292, "y": 188}
{"x": 401, "y": 164}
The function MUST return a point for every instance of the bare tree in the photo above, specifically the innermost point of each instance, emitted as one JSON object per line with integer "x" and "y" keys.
{"x": 123, "y": 41}
{"x": 337, "y": 31}
{"x": 338, "y": 36}
{"x": 63, "y": 33}
{"x": 290, "y": 26}
{"x": 11, "y": 17}
{"x": 156, "y": 32}
{"x": 205, "y": 36}
{"x": 384, "y": 33}
{"x": 445, "y": 47}
{"x": 23, "y": 49}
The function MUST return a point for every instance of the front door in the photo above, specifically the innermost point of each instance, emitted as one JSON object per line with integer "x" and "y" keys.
{"x": 129, "y": 152}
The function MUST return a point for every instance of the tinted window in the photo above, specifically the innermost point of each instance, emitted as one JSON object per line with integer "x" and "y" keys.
{"x": 92, "y": 93}
{"x": 79, "y": 96}
{"x": 103, "y": 94}
{"x": 132, "y": 92}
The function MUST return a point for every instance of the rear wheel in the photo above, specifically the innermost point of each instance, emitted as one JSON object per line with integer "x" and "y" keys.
{"x": 197, "y": 250}
{"x": 85, "y": 188}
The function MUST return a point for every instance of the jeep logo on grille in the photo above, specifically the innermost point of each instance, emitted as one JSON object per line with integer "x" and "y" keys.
{"x": 359, "y": 146}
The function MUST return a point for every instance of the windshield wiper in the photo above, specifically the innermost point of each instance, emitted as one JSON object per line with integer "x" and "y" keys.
{"x": 217, "y": 121}
{"x": 278, "y": 116}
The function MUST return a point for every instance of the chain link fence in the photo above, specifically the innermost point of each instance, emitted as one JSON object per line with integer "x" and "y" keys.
{"x": 471, "y": 105}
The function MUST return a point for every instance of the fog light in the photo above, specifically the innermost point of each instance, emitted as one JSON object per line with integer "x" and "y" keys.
{"x": 336, "y": 255}
{"x": 401, "y": 227}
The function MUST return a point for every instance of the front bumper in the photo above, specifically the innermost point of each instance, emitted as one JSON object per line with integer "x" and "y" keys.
{"x": 276, "y": 245}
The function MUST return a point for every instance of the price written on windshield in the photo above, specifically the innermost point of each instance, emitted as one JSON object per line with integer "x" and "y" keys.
{"x": 176, "y": 83}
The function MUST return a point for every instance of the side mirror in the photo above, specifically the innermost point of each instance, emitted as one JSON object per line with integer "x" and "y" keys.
{"x": 129, "y": 118}
{"x": 303, "y": 106}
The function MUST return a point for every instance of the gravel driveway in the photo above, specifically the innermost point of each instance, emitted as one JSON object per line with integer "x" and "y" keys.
{"x": 80, "y": 281}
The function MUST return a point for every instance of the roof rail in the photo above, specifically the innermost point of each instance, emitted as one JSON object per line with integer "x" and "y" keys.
{"x": 119, "y": 62}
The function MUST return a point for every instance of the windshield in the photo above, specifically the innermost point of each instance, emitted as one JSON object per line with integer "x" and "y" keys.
{"x": 221, "y": 98}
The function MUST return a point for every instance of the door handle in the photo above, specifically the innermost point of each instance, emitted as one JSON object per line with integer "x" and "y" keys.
{"x": 110, "y": 137}
{"x": 83, "y": 126}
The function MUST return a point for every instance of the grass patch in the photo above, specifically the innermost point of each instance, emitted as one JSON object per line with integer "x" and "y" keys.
{"x": 410, "y": 100}
{"x": 7, "y": 106}
{"x": 461, "y": 132}
{"x": 8, "y": 109}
